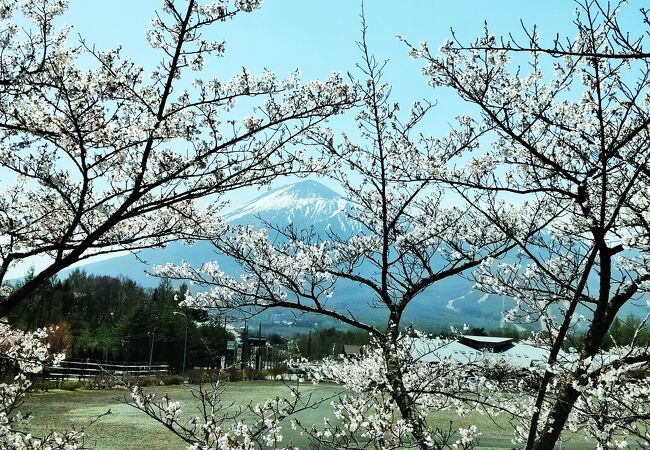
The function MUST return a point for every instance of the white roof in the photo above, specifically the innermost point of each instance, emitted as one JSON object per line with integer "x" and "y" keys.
{"x": 496, "y": 340}
{"x": 521, "y": 355}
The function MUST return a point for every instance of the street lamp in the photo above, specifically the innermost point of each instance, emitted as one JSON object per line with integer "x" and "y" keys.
{"x": 187, "y": 322}
{"x": 109, "y": 337}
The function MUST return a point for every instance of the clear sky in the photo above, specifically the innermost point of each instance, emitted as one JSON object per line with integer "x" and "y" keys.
{"x": 318, "y": 37}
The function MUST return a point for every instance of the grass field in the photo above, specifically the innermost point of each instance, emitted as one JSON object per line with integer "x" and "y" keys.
{"x": 127, "y": 428}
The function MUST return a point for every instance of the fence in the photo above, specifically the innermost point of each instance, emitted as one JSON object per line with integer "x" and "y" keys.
{"x": 86, "y": 368}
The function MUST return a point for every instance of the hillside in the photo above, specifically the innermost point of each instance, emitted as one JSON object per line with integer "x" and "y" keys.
{"x": 311, "y": 204}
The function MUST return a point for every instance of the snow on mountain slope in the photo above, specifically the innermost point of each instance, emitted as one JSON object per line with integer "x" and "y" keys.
{"x": 307, "y": 195}
{"x": 310, "y": 204}
{"x": 304, "y": 204}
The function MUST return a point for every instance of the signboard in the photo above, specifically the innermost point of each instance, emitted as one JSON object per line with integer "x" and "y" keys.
{"x": 231, "y": 345}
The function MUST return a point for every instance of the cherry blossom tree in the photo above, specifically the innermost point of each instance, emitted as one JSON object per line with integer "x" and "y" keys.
{"x": 224, "y": 426}
{"x": 364, "y": 413}
{"x": 569, "y": 150}
{"x": 29, "y": 352}
{"x": 114, "y": 157}
{"x": 99, "y": 155}
{"x": 410, "y": 239}
{"x": 569, "y": 130}
{"x": 553, "y": 213}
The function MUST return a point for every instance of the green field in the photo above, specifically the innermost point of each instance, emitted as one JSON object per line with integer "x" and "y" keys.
{"x": 127, "y": 428}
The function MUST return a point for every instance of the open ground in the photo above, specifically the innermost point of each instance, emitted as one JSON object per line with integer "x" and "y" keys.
{"x": 126, "y": 428}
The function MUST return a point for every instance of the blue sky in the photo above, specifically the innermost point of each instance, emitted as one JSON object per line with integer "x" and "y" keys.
{"x": 319, "y": 37}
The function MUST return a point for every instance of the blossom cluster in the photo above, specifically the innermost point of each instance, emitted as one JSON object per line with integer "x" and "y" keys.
{"x": 222, "y": 427}
{"x": 103, "y": 157}
{"x": 29, "y": 353}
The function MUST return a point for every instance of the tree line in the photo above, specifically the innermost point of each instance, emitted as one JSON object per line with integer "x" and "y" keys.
{"x": 105, "y": 318}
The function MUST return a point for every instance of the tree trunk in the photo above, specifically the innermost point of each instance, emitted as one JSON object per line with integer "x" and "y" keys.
{"x": 399, "y": 393}
{"x": 602, "y": 320}
{"x": 557, "y": 418}
{"x": 405, "y": 404}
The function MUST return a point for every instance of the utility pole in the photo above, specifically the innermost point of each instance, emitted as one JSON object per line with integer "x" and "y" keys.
{"x": 245, "y": 350}
{"x": 153, "y": 338}
{"x": 125, "y": 351}
{"x": 110, "y": 337}
{"x": 187, "y": 323}
{"x": 309, "y": 346}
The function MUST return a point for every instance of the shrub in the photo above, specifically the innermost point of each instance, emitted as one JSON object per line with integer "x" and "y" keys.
{"x": 196, "y": 376}
{"x": 170, "y": 380}
{"x": 101, "y": 382}
{"x": 233, "y": 374}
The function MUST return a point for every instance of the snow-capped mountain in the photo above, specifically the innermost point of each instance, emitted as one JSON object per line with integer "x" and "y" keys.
{"x": 303, "y": 204}
{"x": 306, "y": 204}
{"x": 310, "y": 204}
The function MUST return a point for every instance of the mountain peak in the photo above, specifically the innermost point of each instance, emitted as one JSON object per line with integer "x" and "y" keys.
{"x": 305, "y": 198}
{"x": 309, "y": 188}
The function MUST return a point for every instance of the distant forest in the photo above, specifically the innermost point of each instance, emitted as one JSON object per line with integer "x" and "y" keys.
{"x": 114, "y": 319}
{"x": 104, "y": 318}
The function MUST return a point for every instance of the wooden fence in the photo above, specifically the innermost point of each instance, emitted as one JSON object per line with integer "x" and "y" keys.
{"x": 87, "y": 368}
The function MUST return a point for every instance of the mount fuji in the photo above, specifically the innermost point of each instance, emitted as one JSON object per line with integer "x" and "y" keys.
{"x": 310, "y": 204}
{"x": 304, "y": 204}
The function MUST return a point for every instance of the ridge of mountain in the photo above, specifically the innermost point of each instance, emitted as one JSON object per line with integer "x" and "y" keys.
{"x": 309, "y": 204}
{"x": 306, "y": 204}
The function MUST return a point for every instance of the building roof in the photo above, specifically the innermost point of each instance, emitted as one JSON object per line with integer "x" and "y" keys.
{"x": 487, "y": 339}
{"x": 436, "y": 350}
{"x": 351, "y": 349}
{"x": 496, "y": 344}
